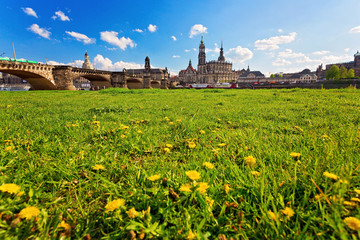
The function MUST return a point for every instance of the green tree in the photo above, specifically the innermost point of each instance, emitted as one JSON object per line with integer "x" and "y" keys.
{"x": 343, "y": 72}
{"x": 351, "y": 73}
{"x": 333, "y": 72}
{"x": 272, "y": 76}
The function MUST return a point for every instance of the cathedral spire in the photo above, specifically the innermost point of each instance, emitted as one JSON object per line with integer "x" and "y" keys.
{"x": 221, "y": 57}
{"x": 190, "y": 62}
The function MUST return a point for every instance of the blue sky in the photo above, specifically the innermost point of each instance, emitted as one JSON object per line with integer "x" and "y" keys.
{"x": 270, "y": 36}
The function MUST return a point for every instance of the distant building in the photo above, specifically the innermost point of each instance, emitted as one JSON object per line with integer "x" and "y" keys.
{"x": 209, "y": 72}
{"x": 156, "y": 74}
{"x": 250, "y": 76}
{"x": 82, "y": 84}
{"x": 87, "y": 64}
{"x": 355, "y": 65}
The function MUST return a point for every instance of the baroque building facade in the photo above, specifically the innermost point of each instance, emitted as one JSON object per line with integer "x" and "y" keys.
{"x": 156, "y": 74}
{"x": 216, "y": 71}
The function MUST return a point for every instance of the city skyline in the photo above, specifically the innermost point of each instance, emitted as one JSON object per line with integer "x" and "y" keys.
{"x": 280, "y": 36}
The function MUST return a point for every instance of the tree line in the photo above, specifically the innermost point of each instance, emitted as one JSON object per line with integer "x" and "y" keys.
{"x": 336, "y": 73}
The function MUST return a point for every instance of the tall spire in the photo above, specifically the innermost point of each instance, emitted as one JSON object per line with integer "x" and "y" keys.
{"x": 190, "y": 62}
{"x": 221, "y": 57}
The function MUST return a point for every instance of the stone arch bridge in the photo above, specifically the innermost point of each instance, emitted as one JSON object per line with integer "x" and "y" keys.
{"x": 49, "y": 77}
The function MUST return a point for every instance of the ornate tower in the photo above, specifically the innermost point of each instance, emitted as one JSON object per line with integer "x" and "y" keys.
{"x": 221, "y": 57}
{"x": 357, "y": 59}
{"x": 147, "y": 64}
{"x": 87, "y": 64}
{"x": 202, "y": 58}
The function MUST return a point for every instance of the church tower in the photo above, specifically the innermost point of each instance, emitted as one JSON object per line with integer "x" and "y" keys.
{"x": 357, "y": 60}
{"x": 147, "y": 64}
{"x": 221, "y": 57}
{"x": 202, "y": 58}
{"x": 87, "y": 64}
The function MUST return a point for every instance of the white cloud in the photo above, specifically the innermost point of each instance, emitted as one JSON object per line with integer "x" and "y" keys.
{"x": 30, "y": 12}
{"x": 321, "y": 52}
{"x": 106, "y": 64}
{"x": 176, "y": 56}
{"x": 138, "y": 30}
{"x": 288, "y": 53}
{"x": 216, "y": 49}
{"x": 197, "y": 29}
{"x": 76, "y": 63}
{"x": 336, "y": 59}
{"x": 187, "y": 50}
{"x": 281, "y": 62}
{"x": 239, "y": 55}
{"x": 347, "y": 50}
{"x": 274, "y": 42}
{"x": 39, "y": 31}
{"x": 81, "y": 37}
{"x": 280, "y": 30}
{"x": 174, "y": 38}
{"x": 152, "y": 28}
{"x": 112, "y": 38}
{"x": 194, "y": 49}
{"x": 110, "y": 49}
{"x": 355, "y": 30}
{"x": 61, "y": 15}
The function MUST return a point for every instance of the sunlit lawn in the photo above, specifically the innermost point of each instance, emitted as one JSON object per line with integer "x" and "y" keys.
{"x": 177, "y": 164}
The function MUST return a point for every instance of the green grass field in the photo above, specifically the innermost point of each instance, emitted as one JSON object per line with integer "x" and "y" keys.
{"x": 143, "y": 144}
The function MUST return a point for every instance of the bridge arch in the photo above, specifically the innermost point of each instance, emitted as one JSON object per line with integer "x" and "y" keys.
{"x": 155, "y": 84}
{"x": 135, "y": 83}
{"x": 97, "y": 81}
{"x": 37, "y": 81}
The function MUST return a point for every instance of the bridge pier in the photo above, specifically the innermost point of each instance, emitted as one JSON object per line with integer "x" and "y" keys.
{"x": 164, "y": 84}
{"x": 63, "y": 78}
{"x": 147, "y": 82}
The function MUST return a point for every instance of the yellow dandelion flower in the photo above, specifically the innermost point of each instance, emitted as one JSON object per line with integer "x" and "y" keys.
{"x": 202, "y": 187}
{"x": 137, "y": 122}
{"x": 325, "y": 136}
{"x": 98, "y": 167}
{"x": 357, "y": 191}
{"x": 191, "y": 235}
{"x": 295, "y": 155}
{"x": 228, "y": 122}
{"x": 9, "y": 148}
{"x": 219, "y": 119}
{"x": 192, "y": 145}
{"x": 250, "y": 161}
{"x": 10, "y": 188}
{"x": 193, "y": 175}
{"x": 167, "y": 119}
{"x": 216, "y": 150}
{"x": 185, "y": 188}
{"x": 202, "y": 132}
{"x": 8, "y": 106}
{"x": 350, "y": 204}
{"x": 319, "y": 197}
{"x": 29, "y": 212}
{"x": 20, "y": 194}
{"x": 352, "y": 223}
{"x": 288, "y": 212}
{"x": 94, "y": 117}
{"x": 178, "y": 120}
{"x": 171, "y": 123}
{"x": 208, "y": 165}
{"x": 64, "y": 225}
{"x": 222, "y": 144}
{"x": 255, "y": 173}
{"x": 132, "y": 213}
{"x": 139, "y": 132}
{"x": 330, "y": 175}
{"x": 115, "y": 204}
{"x": 354, "y": 199}
{"x": 169, "y": 145}
{"x": 227, "y": 188}
{"x": 154, "y": 177}
{"x": 167, "y": 150}
{"x": 123, "y": 136}
{"x": 344, "y": 181}
{"x": 272, "y": 215}
{"x": 124, "y": 127}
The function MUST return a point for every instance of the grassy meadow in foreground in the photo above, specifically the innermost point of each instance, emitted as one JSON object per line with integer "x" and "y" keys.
{"x": 184, "y": 164}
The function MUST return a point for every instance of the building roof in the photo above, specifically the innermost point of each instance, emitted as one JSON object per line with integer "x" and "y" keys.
{"x": 139, "y": 71}
{"x": 256, "y": 73}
